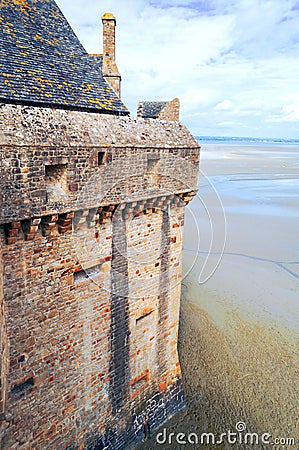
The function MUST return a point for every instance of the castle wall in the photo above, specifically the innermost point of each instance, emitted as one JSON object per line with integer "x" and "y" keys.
{"x": 81, "y": 354}
{"x": 91, "y": 276}
{"x": 59, "y": 335}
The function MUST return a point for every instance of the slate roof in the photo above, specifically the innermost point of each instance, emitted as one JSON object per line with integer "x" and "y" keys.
{"x": 151, "y": 110}
{"x": 42, "y": 62}
{"x": 97, "y": 60}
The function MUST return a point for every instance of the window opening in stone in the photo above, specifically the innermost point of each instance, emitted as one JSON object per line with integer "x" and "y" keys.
{"x": 56, "y": 182}
{"x": 144, "y": 315}
{"x": 101, "y": 158}
{"x": 23, "y": 387}
{"x": 152, "y": 161}
{"x": 23, "y": 358}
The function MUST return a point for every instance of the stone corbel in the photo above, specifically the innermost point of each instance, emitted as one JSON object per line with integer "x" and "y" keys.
{"x": 105, "y": 213}
{"x": 30, "y": 228}
{"x": 65, "y": 222}
{"x": 92, "y": 217}
{"x": 80, "y": 218}
{"x": 49, "y": 225}
{"x": 188, "y": 196}
{"x": 12, "y": 232}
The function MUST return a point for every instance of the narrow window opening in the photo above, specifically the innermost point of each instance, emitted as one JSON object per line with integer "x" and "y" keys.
{"x": 23, "y": 358}
{"x": 152, "y": 161}
{"x": 56, "y": 182}
{"x": 144, "y": 315}
{"x": 153, "y": 175}
{"x": 81, "y": 276}
{"x": 101, "y": 158}
{"x": 19, "y": 389}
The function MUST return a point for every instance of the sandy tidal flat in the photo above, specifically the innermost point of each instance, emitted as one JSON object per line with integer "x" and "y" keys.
{"x": 239, "y": 330}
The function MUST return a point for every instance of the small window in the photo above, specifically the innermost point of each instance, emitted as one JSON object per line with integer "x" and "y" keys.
{"x": 101, "y": 158}
{"x": 152, "y": 161}
{"x": 81, "y": 276}
{"x": 55, "y": 172}
{"x": 56, "y": 182}
{"x": 21, "y": 388}
{"x": 23, "y": 358}
{"x": 145, "y": 314}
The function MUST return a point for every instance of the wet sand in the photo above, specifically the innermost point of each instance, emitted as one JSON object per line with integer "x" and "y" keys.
{"x": 239, "y": 330}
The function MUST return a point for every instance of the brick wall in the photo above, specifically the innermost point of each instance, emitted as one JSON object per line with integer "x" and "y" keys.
{"x": 36, "y": 138}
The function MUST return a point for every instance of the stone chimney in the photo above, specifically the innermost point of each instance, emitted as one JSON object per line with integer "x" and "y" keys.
{"x": 110, "y": 70}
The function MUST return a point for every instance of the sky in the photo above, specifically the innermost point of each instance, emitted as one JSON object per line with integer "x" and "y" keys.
{"x": 234, "y": 64}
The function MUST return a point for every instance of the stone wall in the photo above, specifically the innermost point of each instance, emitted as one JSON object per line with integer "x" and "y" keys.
{"x": 89, "y": 353}
{"x": 34, "y": 139}
{"x": 171, "y": 111}
{"x": 92, "y": 234}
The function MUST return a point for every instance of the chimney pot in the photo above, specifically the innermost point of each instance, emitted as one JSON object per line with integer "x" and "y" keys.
{"x": 108, "y": 16}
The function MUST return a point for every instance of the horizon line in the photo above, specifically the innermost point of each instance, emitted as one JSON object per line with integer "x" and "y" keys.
{"x": 248, "y": 138}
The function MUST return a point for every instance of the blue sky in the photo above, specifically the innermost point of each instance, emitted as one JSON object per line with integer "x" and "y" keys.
{"x": 234, "y": 64}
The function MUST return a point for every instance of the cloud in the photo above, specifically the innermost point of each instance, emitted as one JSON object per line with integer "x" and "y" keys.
{"x": 232, "y": 62}
{"x": 225, "y": 105}
{"x": 292, "y": 113}
{"x": 288, "y": 112}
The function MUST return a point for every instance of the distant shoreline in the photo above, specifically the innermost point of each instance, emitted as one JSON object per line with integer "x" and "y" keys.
{"x": 244, "y": 140}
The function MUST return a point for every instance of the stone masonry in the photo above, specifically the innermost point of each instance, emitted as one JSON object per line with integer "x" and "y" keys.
{"x": 92, "y": 281}
{"x": 110, "y": 70}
